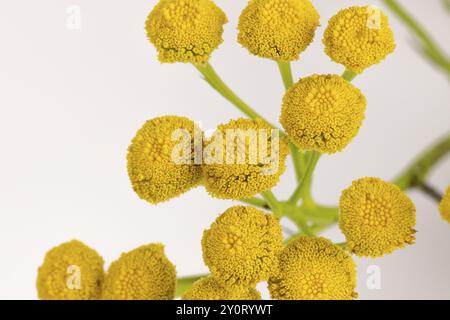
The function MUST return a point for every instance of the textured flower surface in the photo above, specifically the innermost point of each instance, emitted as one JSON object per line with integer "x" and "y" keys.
{"x": 444, "y": 206}
{"x": 278, "y": 29}
{"x": 71, "y": 271}
{"x": 209, "y": 288}
{"x": 156, "y": 175}
{"x": 359, "y": 37}
{"x": 144, "y": 273}
{"x": 376, "y": 217}
{"x": 185, "y": 30}
{"x": 244, "y": 159}
{"x": 314, "y": 269}
{"x": 323, "y": 113}
{"x": 241, "y": 247}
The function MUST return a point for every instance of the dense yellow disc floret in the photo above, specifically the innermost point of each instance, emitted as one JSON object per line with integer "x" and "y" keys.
{"x": 323, "y": 113}
{"x": 244, "y": 158}
{"x": 241, "y": 247}
{"x": 71, "y": 271}
{"x": 185, "y": 30}
{"x": 278, "y": 29}
{"x": 314, "y": 269}
{"x": 144, "y": 273}
{"x": 210, "y": 289}
{"x": 161, "y": 162}
{"x": 376, "y": 217}
{"x": 359, "y": 37}
{"x": 444, "y": 206}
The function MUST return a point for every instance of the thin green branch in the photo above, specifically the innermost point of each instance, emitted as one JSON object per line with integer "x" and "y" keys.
{"x": 273, "y": 203}
{"x": 305, "y": 185}
{"x": 349, "y": 75}
{"x": 417, "y": 172}
{"x": 431, "y": 192}
{"x": 428, "y": 46}
{"x": 211, "y": 76}
{"x": 286, "y": 73}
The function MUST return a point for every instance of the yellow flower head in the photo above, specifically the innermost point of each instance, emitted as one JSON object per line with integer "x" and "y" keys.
{"x": 241, "y": 247}
{"x": 278, "y": 29}
{"x": 376, "y": 217}
{"x": 185, "y": 30}
{"x": 323, "y": 113}
{"x": 243, "y": 158}
{"x": 444, "y": 206}
{"x": 210, "y": 289}
{"x": 359, "y": 37}
{"x": 71, "y": 271}
{"x": 144, "y": 273}
{"x": 314, "y": 269}
{"x": 161, "y": 156}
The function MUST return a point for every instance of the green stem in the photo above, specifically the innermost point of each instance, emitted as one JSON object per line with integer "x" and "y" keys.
{"x": 429, "y": 46}
{"x": 431, "y": 192}
{"x": 260, "y": 203}
{"x": 288, "y": 81}
{"x": 305, "y": 185}
{"x": 286, "y": 73}
{"x": 273, "y": 203}
{"x": 349, "y": 75}
{"x": 183, "y": 284}
{"x": 211, "y": 76}
{"x": 417, "y": 172}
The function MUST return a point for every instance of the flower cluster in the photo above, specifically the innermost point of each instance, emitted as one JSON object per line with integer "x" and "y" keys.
{"x": 320, "y": 113}
{"x": 73, "y": 271}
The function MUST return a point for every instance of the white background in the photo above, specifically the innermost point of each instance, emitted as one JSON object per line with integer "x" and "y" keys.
{"x": 71, "y": 101}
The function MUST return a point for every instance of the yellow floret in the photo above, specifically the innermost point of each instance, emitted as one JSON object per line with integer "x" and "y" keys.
{"x": 278, "y": 29}
{"x": 241, "y": 247}
{"x": 323, "y": 113}
{"x": 144, "y": 273}
{"x": 376, "y": 217}
{"x": 359, "y": 37}
{"x": 210, "y": 289}
{"x": 71, "y": 271}
{"x": 161, "y": 159}
{"x": 314, "y": 269}
{"x": 245, "y": 159}
{"x": 444, "y": 206}
{"x": 185, "y": 30}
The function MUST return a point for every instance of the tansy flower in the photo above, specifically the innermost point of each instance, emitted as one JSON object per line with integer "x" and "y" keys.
{"x": 71, "y": 271}
{"x": 277, "y": 29}
{"x": 323, "y": 113}
{"x": 444, "y": 206}
{"x": 161, "y": 158}
{"x": 141, "y": 274}
{"x": 376, "y": 217}
{"x": 185, "y": 30}
{"x": 241, "y": 247}
{"x": 314, "y": 269}
{"x": 243, "y": 158}
{"x": 358, "y": 37}
{"x": 210, "y": 289}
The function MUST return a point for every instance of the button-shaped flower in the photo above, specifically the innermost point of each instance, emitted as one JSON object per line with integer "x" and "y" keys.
{"x": 278, "y": 29}
{"x": 359, "y": 37}
{"x": 71, "y": 271}
{"x": 185, "y": 30}
{"x": 241, "y": 247}
{"x": 314, "y": 269}
{"x": 323, "y": 113}
{"x": 376, "y": 217}
{"x": 144, "y": 273}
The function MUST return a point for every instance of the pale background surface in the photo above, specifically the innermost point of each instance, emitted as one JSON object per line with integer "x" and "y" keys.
{"x": 70, "y": 102}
